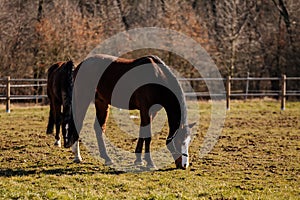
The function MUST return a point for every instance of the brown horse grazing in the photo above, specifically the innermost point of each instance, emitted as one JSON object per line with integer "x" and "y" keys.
{"x": 59, "y": 91}
{"x": 133, "y": 84}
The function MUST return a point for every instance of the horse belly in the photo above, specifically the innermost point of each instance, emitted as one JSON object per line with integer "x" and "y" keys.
{"x": 124, "y": 104}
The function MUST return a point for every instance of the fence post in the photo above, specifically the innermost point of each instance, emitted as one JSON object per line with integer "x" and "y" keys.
{"x": 283, "y": 91}
{"x": 43, "y": 92}
{"x": 247, "y": 85}
{"x": 8, "y": 94}
{"x": 37, "y": 92}
{"x": 228, "y": 91}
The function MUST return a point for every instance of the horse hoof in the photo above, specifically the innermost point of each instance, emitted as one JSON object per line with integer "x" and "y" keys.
{"x": 57, "y": 143}
{"x": 77, "y": 160}
{"x": 49, "y": 132}
{"x": 138, "y": 163}
{"x": 108, "y": 163}
{"x": 151, "y": 166}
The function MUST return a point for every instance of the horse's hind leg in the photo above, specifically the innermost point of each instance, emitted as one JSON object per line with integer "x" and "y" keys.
{"x": 50, "y": 125}
{"x": 102, "y": 111}
{"x": 57, "y": 124}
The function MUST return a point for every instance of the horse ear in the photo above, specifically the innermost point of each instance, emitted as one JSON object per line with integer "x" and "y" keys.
{"x": 69, "y": 58}
{"x": 191, "y": 125}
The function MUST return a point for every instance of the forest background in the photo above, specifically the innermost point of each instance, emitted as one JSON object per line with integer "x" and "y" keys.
{"x": 259, "y": 37}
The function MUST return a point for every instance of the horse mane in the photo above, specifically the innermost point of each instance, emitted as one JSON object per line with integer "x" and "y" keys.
{"x": 174, "y": 82}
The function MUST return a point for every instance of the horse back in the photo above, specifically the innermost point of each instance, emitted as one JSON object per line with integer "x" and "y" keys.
{"x": 116, "y": 69}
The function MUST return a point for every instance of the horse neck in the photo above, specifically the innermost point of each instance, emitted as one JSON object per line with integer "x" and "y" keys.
{"x": 176, "y": 113}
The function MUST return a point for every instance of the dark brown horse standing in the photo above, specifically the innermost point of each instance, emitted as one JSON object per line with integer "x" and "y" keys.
{"x": 59, "y": 91}
{"x": 133, "y": 84}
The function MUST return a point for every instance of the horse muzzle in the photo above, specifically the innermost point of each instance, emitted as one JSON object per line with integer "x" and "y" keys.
{"x": 180, "y": 164}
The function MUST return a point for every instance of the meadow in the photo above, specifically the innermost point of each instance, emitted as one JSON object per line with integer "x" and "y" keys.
{"x": 257, "y": 156}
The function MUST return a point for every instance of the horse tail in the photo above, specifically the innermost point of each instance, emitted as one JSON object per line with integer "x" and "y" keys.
{"x": 68, "y": 68}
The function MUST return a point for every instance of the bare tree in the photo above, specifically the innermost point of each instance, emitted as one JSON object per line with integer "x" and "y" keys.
{"x": 256, "y": 36}
{"x": 16, "y": 36}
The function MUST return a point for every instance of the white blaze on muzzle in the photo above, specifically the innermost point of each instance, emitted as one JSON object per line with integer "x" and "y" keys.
{"x": 185, "y": 152}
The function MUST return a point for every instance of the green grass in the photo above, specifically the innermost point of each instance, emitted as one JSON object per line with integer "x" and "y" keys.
{"x": 256, "y": 157}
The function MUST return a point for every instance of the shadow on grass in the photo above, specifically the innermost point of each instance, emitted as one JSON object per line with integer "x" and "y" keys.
{"x": 82, "y": 169}
{"x": 72, "y": 169}
{"x": 167, "y": 170}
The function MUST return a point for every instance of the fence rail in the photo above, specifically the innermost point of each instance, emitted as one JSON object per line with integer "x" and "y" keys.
{"x": 9, "y": 83}
{"x": 282, "y": 93}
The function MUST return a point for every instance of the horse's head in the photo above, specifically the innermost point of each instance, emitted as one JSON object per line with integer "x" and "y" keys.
{"x": 70, "y": 133}
{"x": 178, "y": 145}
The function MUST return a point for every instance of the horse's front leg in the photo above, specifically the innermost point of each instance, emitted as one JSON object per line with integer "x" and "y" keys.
{"x": 144, "y": 136}
{"x": 76, "y": 151}
{"x": 148, "y": 157}
{"x": 138, "y": 151}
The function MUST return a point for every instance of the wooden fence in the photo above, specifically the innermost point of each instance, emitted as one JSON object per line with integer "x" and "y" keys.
{"x": 283, "y": 93}
{"x": 40, "y": 85}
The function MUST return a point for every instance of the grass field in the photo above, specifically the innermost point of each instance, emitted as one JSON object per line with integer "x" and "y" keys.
{"x": 256, "y": 157}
